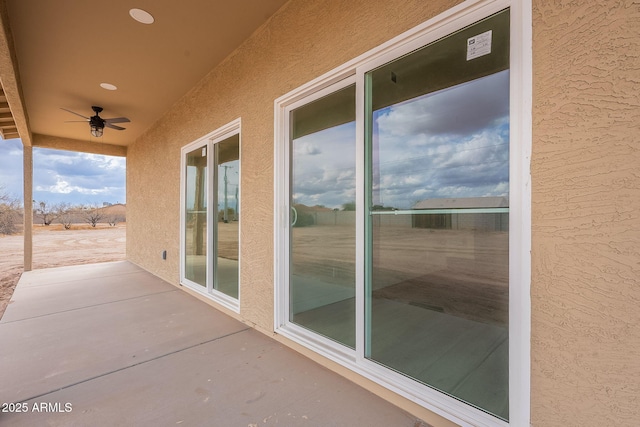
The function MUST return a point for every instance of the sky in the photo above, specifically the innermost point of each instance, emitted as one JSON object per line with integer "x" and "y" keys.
{"x": 448, "y": 144}
{"x": 324, "y": 167}
{"x": 64, "y": 176}
{"x": 452, "y": 143}
{"x": 233, "y": 177}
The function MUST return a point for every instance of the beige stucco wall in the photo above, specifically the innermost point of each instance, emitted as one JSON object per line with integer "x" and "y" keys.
{"x": 302, "y": 41}
{"x": 585, "y": 346}
{"x": 585, "y": 179}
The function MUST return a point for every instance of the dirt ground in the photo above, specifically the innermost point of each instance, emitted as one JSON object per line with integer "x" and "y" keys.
{"x": 53, "y": 246}
{"x": 460, "y": 272}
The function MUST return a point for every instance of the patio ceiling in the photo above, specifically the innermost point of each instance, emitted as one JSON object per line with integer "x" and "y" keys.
{"x": 55, "y": 54}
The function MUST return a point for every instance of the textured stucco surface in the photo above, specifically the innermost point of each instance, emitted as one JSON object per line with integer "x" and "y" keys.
{"x": 302, "y": 41}
{"x": 57, "y": 143}
{"x": 585, "y": 347}
{"x": 585, "y": 291}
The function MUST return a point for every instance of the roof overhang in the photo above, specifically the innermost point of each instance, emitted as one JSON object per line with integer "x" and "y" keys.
{"x": 55, "y": 55}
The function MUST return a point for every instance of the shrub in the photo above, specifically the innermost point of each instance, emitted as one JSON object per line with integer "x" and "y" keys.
{"x": 9, "y": 213}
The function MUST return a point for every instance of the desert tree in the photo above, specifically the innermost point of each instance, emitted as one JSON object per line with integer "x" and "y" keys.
{"x": 114, "y": 219}
{"x": 65, "y": 214}
{"x": 46, "y": 211}
{"x": 9, "y": 212}
{"x": 92, "y": 215}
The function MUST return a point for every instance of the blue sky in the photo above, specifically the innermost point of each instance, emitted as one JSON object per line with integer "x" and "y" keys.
{"x": 452, "y": 143}
{"x": 64, "y": 176}
{"x": 233, "y": 186}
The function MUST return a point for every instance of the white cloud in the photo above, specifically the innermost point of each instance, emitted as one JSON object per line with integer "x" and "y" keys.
{"x": 453, "y": 143}
{"x": 78, "y": 178}
{"x": 457, "y": 110}
{"x": 324, "y": 167}
{"x": 63, "y": 187}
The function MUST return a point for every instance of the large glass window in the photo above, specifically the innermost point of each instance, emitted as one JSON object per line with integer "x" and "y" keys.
{"x": 195, "y": 254}
{"x": 211, "y": 215}
{"x": 438, "y": 241}
{"x": 322, "y": 281}
{"x": 402, "y": 229}
{"x": 227, "y": 158}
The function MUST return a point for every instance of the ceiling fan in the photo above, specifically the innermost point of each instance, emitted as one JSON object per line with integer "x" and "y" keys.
{"x": 97, "y": 123}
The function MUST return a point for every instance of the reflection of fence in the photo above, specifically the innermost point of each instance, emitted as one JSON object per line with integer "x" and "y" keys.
{"x": 335, "y": 218}
{"x": 305, "y": 219}
{"x": 463, "y": 221}
{"x": 446, "y": 221}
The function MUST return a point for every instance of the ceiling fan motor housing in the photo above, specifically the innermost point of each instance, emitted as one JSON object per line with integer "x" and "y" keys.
{"x": 96, "y": 120}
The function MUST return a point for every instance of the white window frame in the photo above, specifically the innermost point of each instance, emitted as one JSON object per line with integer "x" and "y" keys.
{"x": 209, "y": 141}
{"x": 520, "y": 70}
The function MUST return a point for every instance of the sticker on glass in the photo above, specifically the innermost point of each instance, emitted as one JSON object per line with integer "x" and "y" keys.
{"x": 479, "y": 45}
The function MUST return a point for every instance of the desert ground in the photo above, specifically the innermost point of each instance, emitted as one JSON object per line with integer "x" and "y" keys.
{"x": 53, "y": 246}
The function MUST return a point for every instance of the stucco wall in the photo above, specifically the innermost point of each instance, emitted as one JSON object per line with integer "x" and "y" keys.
{"x": 585, "y": 174}
{"x": 302, "y": 41}
{"x": 586, "y": 214}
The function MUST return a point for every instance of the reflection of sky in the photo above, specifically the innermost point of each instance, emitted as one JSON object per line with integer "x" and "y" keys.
{"x": 192, "y": 173}
{"x": 232, "y": 170}
{"x": 232, "y": 185}
{"x": 324, "y": 167}
{"x": 451, "y": 143}
{"x": 448, "y": 144}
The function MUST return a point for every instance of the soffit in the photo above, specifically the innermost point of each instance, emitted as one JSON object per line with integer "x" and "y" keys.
{"x": 66, "y": 48}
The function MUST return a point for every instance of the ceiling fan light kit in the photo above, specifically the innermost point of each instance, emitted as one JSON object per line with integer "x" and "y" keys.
{"x": 97, "y": 131}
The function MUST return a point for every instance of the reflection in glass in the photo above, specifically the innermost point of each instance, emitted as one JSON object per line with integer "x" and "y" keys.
{"x": 227, "y": 155}
{"x": 196, "y": 216}
{"x": 438, "y": 251}
{"x": 322, "y": 281}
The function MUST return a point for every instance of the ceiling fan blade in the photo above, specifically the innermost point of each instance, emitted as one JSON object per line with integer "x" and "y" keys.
{"x": 117, "y": 120}
{"x": 73, "y": 112}
{"x": 110, "y": 126}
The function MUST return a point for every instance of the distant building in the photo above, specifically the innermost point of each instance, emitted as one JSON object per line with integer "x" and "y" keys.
{"x": 458, "y": 219}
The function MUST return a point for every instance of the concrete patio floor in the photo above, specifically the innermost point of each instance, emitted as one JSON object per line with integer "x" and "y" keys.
{"x": 111, "y": 344}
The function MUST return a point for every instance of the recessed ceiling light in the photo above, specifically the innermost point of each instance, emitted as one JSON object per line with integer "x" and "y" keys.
{"x": 108, "y": 86}
{"x": 141, "y": 16}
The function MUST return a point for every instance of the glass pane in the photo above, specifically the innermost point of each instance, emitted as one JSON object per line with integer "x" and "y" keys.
{"x": 227, "y": 237}
{"x": 322, "y": 282}
{"x": 438, "y": 289}
{"x": 196, "y": 217}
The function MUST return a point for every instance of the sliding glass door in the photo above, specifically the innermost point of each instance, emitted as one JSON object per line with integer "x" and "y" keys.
{"x": 195, "y": 211}
{"x": 394, "y": 254}
{"x": 211, "y": 215}
{"x": 437, "y": 298}
{"x": 226, "y": 234}
{"x": 322, "y": 201}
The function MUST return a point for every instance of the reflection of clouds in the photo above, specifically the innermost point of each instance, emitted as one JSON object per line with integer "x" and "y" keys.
{"x": 458, "y": 110}
{"x": 452, "y": 143}
{"x": 307, "y": 147}
{"x": 324, "y": 167}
